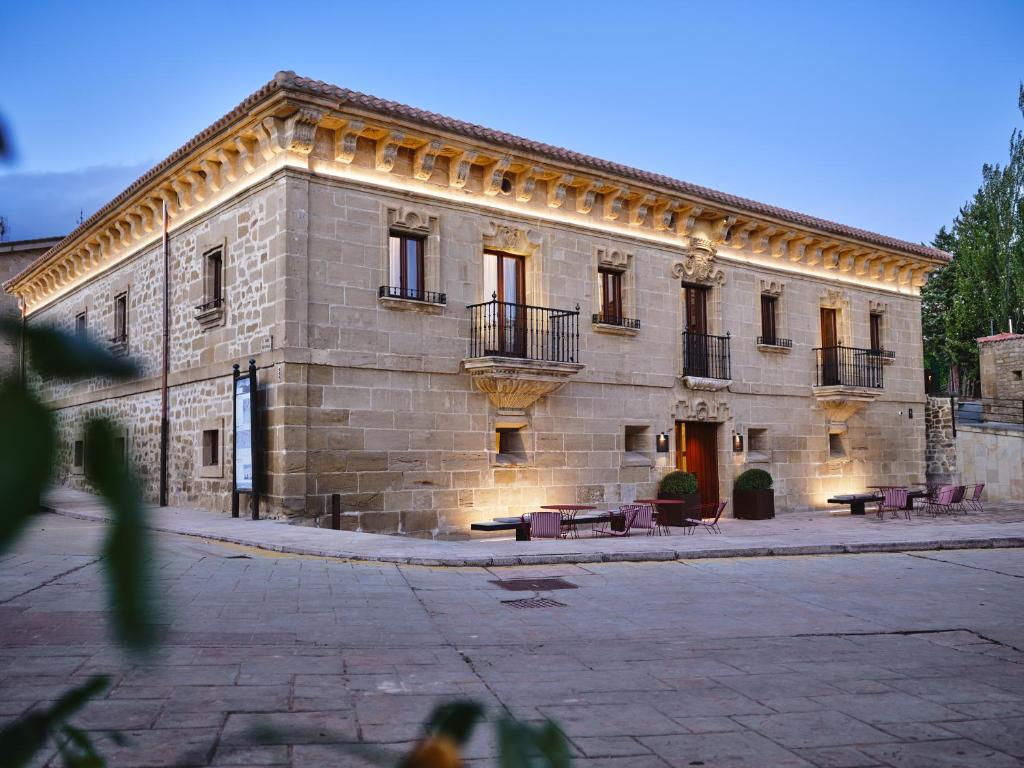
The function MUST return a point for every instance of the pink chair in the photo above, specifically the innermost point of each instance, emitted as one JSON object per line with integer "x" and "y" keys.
{"x": 629, "y": 513}
{"x": 958, "y": 499}
{"x": 645, "y": 519}
{"x": 973, "y": 502}
{"x": 544, "y": 525}
{"x": 943, "y": 501}
{"x": 708, "y": 523}
{"x": 893, "y": 500}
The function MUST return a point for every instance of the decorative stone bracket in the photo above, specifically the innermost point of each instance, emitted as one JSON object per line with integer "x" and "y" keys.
{"x": 513, "y": 384}
{"x": 840, "y": 403}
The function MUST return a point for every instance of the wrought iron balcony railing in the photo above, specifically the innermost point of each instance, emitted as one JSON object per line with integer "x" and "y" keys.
{"x": 411, "y": 294}
{"x": 848, "y": 367}
{"x": 624, "y": 322}
{"x": 706, "y": 356}
{"x": 501, "y": 329}
{"x": 774, "y": 341}
{"x": 211, "y": 304}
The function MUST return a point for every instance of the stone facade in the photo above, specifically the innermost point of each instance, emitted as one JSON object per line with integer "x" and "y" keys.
{"x": 993, "y": 455}
{"x": 382, "y": 400}
{"x": 1001, "y": 363}
{"x": 940, "y": 441}
{"x": 15, "y": 256}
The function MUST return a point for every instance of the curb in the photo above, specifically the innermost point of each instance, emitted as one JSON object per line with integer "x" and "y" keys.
{"x": 570, "y": 558}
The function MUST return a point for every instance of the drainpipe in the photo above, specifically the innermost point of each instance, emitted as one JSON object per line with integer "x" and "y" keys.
{"x": 166, "y": 363}
{"x": 21, "y": 342}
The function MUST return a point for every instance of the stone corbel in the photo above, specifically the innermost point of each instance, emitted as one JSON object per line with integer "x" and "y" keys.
{"x": 862, "y": 263}
{"x": 720, "y": 228}
{"x": 459, "y": 168}
{"x": 197, "y": 185}
{"x": 762, "y": 239}
{"x": 526, "y": 182}
{"x": 687, "y": 217}
{"x": 121, "y": 233}
{"x": 494, "y": 174}
{"x": 779, "y": 244}
{"x": 134, "y": 219}
{"x": 739, "y": 235}
{"x": 387, "y": 150}
{"x": 425, "y": 159}
{"x": 266, "y": 133}
{"x": 921, "y": 276}
{"x": 830, "y": 257}
{"x": 169, "y": 197}
{"x": 664, "y": 215}
{"x": 847, "y": 259}
{"x": 892, "y": 270}
{"x": 346, "y": 141}
{"x": 613, "y": 203}
{"x": 229, "y": 171}
{"x": 814, "y": 253}
{"x": 300, "y": 130}
{"x": 557, "y": 188}
{"x": 586, "y": 194}
{"x": 797, "y": 248}
{"x": 246, "y": 149}
{"x": 637, "y": 209}
{"x": 211, "y": 170}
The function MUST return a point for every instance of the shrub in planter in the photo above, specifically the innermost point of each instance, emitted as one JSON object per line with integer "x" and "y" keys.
{"x": 753, "y": 497}
{"x": 683, "y": 486}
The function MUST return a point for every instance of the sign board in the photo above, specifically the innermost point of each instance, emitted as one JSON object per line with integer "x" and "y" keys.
{"x": 244, "y": 433}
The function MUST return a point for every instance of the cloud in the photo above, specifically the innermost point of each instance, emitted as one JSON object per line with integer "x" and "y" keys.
{"x": 49, "y": 204}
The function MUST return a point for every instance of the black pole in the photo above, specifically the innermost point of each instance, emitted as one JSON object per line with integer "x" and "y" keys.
{"x": 165, "y": 364}
{"x": 257, "y": 443}
{"x": 234, "y": 441}
{"x": 336, "y": 511}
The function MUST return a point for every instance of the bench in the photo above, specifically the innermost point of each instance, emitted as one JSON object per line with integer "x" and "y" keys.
{"x": 856, "y": 501}
{"x": 523, "y": 529}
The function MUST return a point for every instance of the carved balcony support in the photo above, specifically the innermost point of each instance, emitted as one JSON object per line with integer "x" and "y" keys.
{"x": 513, "y": 385}
{"x": 346, "y": 141}
{"x": 387, "y": 151}
{"x": 425, "y": 159}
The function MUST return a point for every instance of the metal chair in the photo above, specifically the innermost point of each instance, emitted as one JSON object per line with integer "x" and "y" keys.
{"x": 708, "y": 523}
{"x": 958, "y": 499}
{"x": 645, "y": 519}
{"x": 544, "y": 525}
{"x": 894, "y": 500}
{"x": 629, "y": 513}
{"x": 943, "y": 501}
{"x": 973, "y": 502}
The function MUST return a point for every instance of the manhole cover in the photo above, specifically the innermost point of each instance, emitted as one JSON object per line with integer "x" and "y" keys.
{"x": 534, "y": 585}
{"x": 533, "y": 602}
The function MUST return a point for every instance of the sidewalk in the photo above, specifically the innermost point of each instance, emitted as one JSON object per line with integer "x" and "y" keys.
{"x": 803, "y": 533}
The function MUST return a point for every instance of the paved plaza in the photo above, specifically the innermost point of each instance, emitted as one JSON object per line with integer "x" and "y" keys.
{"x": 851, "y": 660}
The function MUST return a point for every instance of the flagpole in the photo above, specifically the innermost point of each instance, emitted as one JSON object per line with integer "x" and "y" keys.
{"x": 166, "y": 362}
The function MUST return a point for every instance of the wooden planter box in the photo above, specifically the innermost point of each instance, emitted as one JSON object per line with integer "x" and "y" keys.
{"x": 674, "y": 514}
{"x": 754, "y": 505}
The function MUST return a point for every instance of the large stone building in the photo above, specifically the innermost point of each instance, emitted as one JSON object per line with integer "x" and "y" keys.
{"x": 15, "y": 256}
{"x": 452, "y": 322}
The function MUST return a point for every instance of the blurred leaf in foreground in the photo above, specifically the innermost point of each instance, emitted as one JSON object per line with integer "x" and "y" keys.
{"x": 28, "y": 447}
{"x": 57, "y": 353}
{"x": 126, "y": 551}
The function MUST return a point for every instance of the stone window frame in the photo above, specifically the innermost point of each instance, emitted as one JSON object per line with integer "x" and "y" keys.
{"x": 413, "y": 222}
{"x": 612, "y": 259}
{"x": 82, "y": 331}
{"x": 783, "y": 344}
{"x": 512, "y": 459}
{"x": 119, "y": 345}
{"x": 502, "y": 237}
{"x": 212, "y": 470}
{"x": 212, "y": 313}
{"x": 880, "y": 309}
{"x": 839, "y": 300}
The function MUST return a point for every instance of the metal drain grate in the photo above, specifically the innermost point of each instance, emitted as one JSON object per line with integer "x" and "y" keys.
{"x": 534, "y": 602}
{"x": 534, "y": 585}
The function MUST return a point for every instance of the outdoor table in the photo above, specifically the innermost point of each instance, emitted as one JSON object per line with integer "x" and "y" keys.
{"x": 522, "y": 528}
{"x": 856, "y": 501}
{"x": 681, "y": 521}
{"x": 569, "y": 512}
{"x": 911, "y": 495}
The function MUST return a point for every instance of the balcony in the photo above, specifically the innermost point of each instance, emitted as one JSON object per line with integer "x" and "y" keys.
{"x": 706, "y": 362}
{"x": 846, "y": 379}
{"x": 615, "y": 324}
{"x": 413, "y": 299}
{"x": 210, "y": 313}
{"x": 519, "y": 353}
{"x": 774, "y": 344}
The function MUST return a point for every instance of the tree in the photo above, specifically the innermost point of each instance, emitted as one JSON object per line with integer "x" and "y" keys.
{"x": 982, "y": 289}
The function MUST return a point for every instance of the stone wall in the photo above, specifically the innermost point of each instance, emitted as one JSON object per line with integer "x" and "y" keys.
{"x": 994, "y": 456}
{"x": 16, "y": 256}
{"x": 940, "y": 441}
{"x": 1001, "y": 360}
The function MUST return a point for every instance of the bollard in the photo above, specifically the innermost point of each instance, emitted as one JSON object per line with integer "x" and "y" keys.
{"x": 336, "y": 511}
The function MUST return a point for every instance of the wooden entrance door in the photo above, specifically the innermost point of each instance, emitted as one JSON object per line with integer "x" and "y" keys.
{"x": 696, "y": 352}
{"x": 505, "y": 279}
{"x": 697, "y": 452}
{"x": 829, "y": 347}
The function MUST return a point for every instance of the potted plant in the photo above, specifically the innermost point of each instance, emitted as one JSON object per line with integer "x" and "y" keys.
{"x": 682, "y": 486}
{"x": 753, "y": 497}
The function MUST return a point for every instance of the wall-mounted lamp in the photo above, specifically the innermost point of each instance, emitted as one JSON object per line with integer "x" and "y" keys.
{"x": 737, "y": 442}
{"x": 910, "y": 411}
{"x": 661, "y": 442}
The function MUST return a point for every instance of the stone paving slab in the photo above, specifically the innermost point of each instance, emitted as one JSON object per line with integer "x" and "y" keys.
{"x": 790, "y": 534}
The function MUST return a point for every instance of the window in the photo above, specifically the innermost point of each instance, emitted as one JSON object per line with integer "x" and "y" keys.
{"x": 214, "y": 278}
{"x": 610, "y": 295}
{"x": 121, "y": 319}
{"x": 1018, "y": 375}
{"x": 79, "y": 458}
{"x": 757, "y": 444}
{"x": 636, "y": 442}
{"x": 769, "y": 326}
{"x": 80, "y": 325}
{"x": 876, "y": 332}
{"x": 405, "y": 262}
{"x": 836, "y": 447}
{"x": 211, "y": 447}
{"x": 510, "y": 446}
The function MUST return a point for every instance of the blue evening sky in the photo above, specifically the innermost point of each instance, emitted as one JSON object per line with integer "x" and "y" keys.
{"x": 874, "y": 114}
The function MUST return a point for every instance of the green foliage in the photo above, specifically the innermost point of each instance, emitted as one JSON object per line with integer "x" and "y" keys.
{"x": 456, "y": 720}
{"x": 23, "y": 738}
{"x": 753, "y": 480}
{"x": 28, "y": 451}
{"x": 676, "y": 484}
{"x": 982, "y": 289}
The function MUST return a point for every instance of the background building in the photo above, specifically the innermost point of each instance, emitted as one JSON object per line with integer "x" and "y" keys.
{"x": 15, "y": 256}
{"x": 452, "y": 322}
